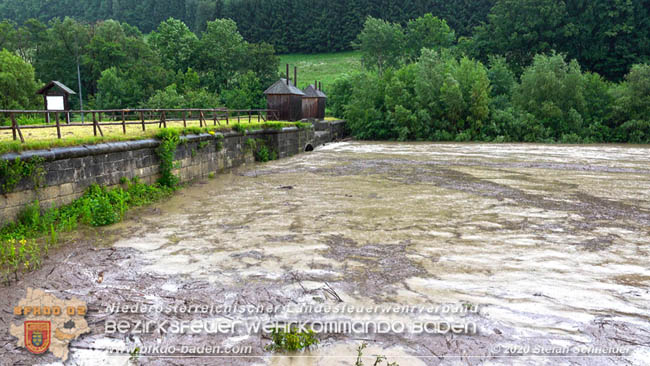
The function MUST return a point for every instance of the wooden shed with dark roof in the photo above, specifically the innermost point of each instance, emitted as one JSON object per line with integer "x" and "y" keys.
{"x": 284, "y": 97}
{"x": 322, "y": 102}
{"x": 310, "y": 102}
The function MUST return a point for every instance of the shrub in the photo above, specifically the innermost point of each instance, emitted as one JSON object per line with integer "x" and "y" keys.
{"x": 169, "y": 140}
{"x": 291, "y": 340}
{"x": 340, "y": 94}
{"x": 552, "y": 90}
{"x": 262, "y": 154}
{"x": 456, "y": 94}
{"x": 635, "y": 131}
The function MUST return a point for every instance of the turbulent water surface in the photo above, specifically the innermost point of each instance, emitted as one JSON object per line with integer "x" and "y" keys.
{"x": 549, "y": 243}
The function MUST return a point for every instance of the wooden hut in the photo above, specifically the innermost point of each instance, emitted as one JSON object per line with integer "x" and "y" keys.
{"x": 322, "y": 102}
{"x": 284, "y": 97}
{"x": 310, "y": 103}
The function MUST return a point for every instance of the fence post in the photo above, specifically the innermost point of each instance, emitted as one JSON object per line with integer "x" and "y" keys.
{"x": 123, "y": 123}
{"x": 201, "y": 117}
{"x": 99, "y": 127}
{"x": 227, "y": 117}
{"x": 58, "y": 125}
{"x": 249, "y": 116}
{"x": 142, "y": 118}
{"x": 184, "y": 119}
{"x": 13, "y": 126}
{"x": 164, "y": 120}
{"x": 94, "y": 125}
{"x": 258, "y": 116}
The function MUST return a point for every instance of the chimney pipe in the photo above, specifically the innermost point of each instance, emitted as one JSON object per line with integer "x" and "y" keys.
{"x": 287, "y": 74}
{"x": 316, "y": 84}
{"x": 320, "y": 86}
{"x": 295, "y": 76}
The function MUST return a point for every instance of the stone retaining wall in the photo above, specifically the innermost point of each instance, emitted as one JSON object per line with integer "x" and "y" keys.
{"x": 70, "y": 171}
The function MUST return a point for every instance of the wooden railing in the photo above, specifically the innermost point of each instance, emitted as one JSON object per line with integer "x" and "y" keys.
{"x": 125, "y": 117}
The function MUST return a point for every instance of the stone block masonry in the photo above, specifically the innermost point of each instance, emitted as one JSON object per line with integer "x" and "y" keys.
{"x": 70, "y": 171}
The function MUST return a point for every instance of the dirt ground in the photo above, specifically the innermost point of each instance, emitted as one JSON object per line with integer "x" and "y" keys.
{"x": 548, "y": 244}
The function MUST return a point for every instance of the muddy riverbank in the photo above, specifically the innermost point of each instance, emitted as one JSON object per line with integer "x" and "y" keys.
{"x": 548, "y": 243}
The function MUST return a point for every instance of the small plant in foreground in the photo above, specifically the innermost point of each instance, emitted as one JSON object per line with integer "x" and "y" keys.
{"x": 378, "y": 359}
{"x": 134, "y": 355}
{"x": 18, "y": 256}
{"x": 262, "y": 154}
{"x": 291, "y": 340}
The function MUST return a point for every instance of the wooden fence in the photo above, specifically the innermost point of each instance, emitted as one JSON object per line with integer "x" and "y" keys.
{"x": 125, "y": 117}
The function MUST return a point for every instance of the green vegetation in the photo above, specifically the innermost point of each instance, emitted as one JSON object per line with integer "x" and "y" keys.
{"x": 224, "y": 52}
{"x": 25, "y": 242}
{"x": 121, "y": 68}
{"x": 606, "y": 37}
{"x": 315, "y": 26}
{"x": 378, "y": 359}
{"x": 445, "y": 95}
{"x": 169, "y": 140}
{"x": 12, "y": 172}
{"x": 288, "y": 340}
{"x": 324, "y": 67}
{"x": 261, "y": 152}
{"x": 16, "y": 82}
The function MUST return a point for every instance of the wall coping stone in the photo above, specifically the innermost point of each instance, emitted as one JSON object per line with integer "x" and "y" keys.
{"x": 69, "y": 152}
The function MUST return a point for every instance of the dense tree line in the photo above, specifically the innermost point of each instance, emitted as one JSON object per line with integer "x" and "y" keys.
{"x": 121, "y": 68}
{"x": 443, "y": 94}
{"x": 605, "y": 36}
{"x": 289, "y": 25}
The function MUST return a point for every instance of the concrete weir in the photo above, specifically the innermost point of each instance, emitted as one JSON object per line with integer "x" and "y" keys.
{"x": 69, "y": 171}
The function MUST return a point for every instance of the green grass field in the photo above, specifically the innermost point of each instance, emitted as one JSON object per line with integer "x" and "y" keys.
{"x": 324, "y": 67}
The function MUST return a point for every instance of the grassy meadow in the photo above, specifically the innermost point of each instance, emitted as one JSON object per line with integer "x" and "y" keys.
{"x": 324, "y": 67}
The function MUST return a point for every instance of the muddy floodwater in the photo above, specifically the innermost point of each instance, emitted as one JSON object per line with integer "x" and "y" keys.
{"x": 546, "y": 246}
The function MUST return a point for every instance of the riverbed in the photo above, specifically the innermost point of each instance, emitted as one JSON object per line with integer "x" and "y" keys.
{"x": 544, "y": 247}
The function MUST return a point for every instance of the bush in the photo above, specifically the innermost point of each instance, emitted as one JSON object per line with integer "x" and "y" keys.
{"x": 632, "y": 96}
{"x": 634, "y": 131}
{"x": 17, "y": 82}
{"x": 364, "y": 113}
{"x": 169, "y": 140}
{"x": 340, "y": 94}
{"x": 456, "y": 94}
{"x": 102, "y": 212}
{"x": 552, "y": 90}
{"x": 262, "y": 154}
{"x": 246, "y": 93}
{"x": 291, "y": 340}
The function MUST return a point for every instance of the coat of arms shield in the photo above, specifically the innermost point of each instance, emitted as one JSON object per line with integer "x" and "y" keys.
{"x": 37, "y": 336}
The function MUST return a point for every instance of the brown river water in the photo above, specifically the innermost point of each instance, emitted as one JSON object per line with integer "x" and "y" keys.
{"x": 548, "y": 244}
